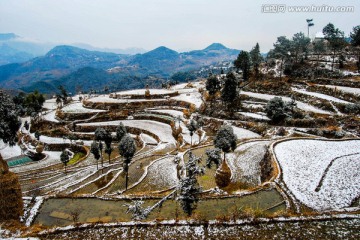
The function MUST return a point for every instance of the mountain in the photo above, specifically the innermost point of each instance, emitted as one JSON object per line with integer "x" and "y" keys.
{"x": 12, "y": 55}
{"x": 128, "y": 51}
{"x": 161, "y": 60}
{"x": 21, "y": 44}
{"x": 73, "y": 67}
{"x": 8, "y": 36}
{"x": 58, "y": 62}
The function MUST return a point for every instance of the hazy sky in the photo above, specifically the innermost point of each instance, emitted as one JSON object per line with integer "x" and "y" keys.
{"x": 177, "y": 24}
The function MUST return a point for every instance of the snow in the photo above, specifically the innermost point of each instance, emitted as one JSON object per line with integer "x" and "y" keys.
{"x": 193, "y": 97}
{"x": 301, "y": 105}
{"x": 244, "y": 162}
{"x": 50, "y": 116}
{"x": 320, "y": 95}
{"x": 161, "y": 173}
{"x": 148, "y": 139}
{"x": 242, "y": 133}
{"x": 107, "y": 99}
{"x": 58, "y": 140}
{"x": 34, "y": 210}
{"x": 162, "y": 130}
{"x": 316, "y": 180}
{"x": 50, "y": 104}
{"x": 78, "y": 108}
{"x": 142, "y": 92}
{"x": 254, "y": 115}
{"x": 344, "y": 89}
{"x": 8, "y": 152}
{"x": 173, "y": 113}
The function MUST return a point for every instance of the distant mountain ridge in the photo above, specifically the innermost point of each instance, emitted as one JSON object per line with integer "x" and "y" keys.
{"x": 63, "y": 64}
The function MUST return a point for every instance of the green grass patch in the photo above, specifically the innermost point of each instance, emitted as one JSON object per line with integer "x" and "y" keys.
{"x": 76, "y": 158}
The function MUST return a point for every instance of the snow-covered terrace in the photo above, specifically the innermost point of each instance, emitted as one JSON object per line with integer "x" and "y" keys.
{"x": 78, "y": 108}
{"x": 323, "y": 175}
{"x": 301, "y": 105}
{"x": 321, "y": 96}
{"x": 162, "y": 130}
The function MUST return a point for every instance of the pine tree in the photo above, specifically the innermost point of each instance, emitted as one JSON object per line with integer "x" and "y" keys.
{"x": 277, "y": 110}
{"x": 213, "y": 156}
{"x": 300, "y": 45}
{"x": 192, "y": 127}
{"x": 212, "y": 84}
{"x": 94, "y": 149}
{"x": 256, "y": 59}
{"x": 243, "y": 62}
{"x": 355, "y": 42}
{"x": 100, "y": 135}
{"x": 335, "y": 38}
{"x": 225, "y": 139}
{"x": 282, "y": 50}
{"x": 189, "y": 188}
{"x": 230, "y": 91}
{"x": 127, "y": 150}
{"x": 120, "y": 131}
{"x": 65, "y": 158}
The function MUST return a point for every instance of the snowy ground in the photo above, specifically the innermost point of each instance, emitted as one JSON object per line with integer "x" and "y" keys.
{"x": 193, "y": 97}
{"x": 162, "y": 130}
{"x": 244, "y": 162}
{"x": 78, "y": 108}
{"x": 301, "y": 105}
{"x": 242, "y": 133}
{"x": 323, "y": 175}
{"x": 320, "y": 95}
{"x": 58, "y": 140}
{"x": 50, "y": 116}
{"x": 344, "y": 89}
{"x": 8, "y": 152}
{"x": 161, "y": 175}
{"x": 254, "y": 115}
{"x": 173, "y": 113}
{"x": 107, "y": 99}
{"x": 142, "y": 92}
{"x": 50, "y": 104}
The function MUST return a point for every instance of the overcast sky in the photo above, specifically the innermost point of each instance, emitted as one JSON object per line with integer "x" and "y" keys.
{"x": 177, "y": 24}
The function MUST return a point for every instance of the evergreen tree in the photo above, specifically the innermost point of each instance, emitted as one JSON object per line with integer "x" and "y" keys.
{"x": 277, "y": 110}
{"x": 100, "y": 135}
{"x": 225, "y": 139}
{"x": 335, "y": 38}
{"x": 189, "y": 188}
{"x": 212, "y": 84}
{"x": 192, "y": 127}
{"x": 355, "y": 42}
{"x": 282, "y": 50}
{"x": 127, "y": 150}
{"x": 230, "y": 91}
{"x": 9, "y": 120}
{"x": 213, "y": 156}
{"x": 300, "y": 45}
{"x": 108, "y": 140}
{"x": 63, "y": 94}
{"x": 319, "y": 48}
{"x": 94, "y": 149}
{"x": 65, "y": 158}
{"x": 243, "y": 62}
{"x": 256, "y": 59}
{"x": 120, "y": 131}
